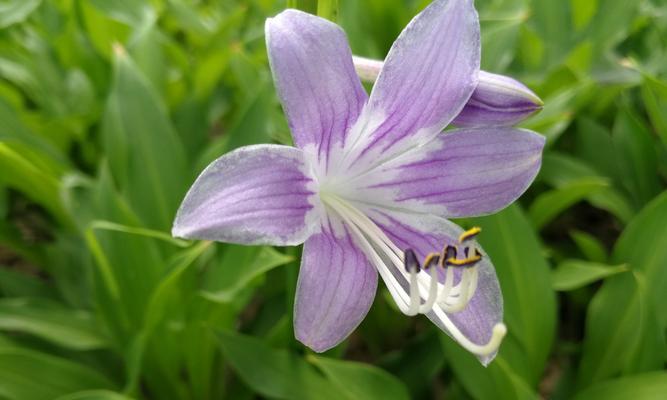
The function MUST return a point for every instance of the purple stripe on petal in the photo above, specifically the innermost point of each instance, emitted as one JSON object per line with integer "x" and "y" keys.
{"x": 428, "y": 76}
{"x": 426, "y": 233}
{"x": 315, "y": 79}
{"x": 460, "y": 174}
{"x": 253, "y": 195}
{"x": 335, "y": 290}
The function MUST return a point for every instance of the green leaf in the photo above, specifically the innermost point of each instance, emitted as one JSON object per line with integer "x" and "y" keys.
{"x": 612, "y": 23}
{"x": 502, "y": 378}
{"x": 21, "y": 284}
{"x": 225, "y": 281}
{"x": 28, "y": 374}
{"x": 551, "y": 21}
{"x": 626, "y": 319}
{"x": 548, "y": 205}
{"x": 94, "y": 395}
{"x": 617, "y": 322}
{"x": 574, "y": 274}
{"x": 636, "y": 157}
{"x": 275, "y": 373}
{"x": 130, "y": 12}
{"x": 156, "y": 311}
{"x": 561, "y": 171}
{"x": 647, "y": 386}
{"x": 145, "y": 154}
{"x": 643, "y": 245}
{"x": 129, "y": 262}
{"x": 15, "y": 11}
{"x": 654, "y": 94}
{"x": 74, "y": 329}
{"x": 21, "y": 173}
{"x": 582, "y": 12}
{"x": 361, "y": 381}
{"x": 591, "y": 246}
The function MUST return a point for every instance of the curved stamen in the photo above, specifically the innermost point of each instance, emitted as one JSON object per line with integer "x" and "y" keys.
{"x": 409, "y": 283}
{"x": 432, "y": 292}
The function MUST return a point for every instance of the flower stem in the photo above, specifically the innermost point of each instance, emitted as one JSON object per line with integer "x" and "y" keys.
{"x": 327, "y": 9}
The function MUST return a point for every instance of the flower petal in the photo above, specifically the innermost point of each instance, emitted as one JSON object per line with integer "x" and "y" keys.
{"x": 427, "y": 78}
{"x": 335, "y": 290}
{"x": 425, "y": 233}
{"x": 464, "y": 173}
{"x": 254, "y": 195}
{"x": 315, "y": 79}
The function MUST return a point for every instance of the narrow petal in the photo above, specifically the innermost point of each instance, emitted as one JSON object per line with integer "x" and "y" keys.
{"x": 315, "y": 79}
{"x": 428, "y": 76}
{"x": 335, "y": 290}
{"x": 498, "y": 100}
{"x": 467, "y": 172}
{"x": 254, "y": 195}
{"x": 425, "y": 234}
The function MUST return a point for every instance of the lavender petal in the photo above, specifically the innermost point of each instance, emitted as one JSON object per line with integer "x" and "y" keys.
{"x": 335, "y": 290}
{"x": 253, "y": 195}
{"x": 428, "y": 76}
{"x": 464, "y": 173}
{"x": 315, "y": 79}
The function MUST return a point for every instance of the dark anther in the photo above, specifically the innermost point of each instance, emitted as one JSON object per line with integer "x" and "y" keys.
{"x": 449, "y": 252}
{"x": 411, "y": 262}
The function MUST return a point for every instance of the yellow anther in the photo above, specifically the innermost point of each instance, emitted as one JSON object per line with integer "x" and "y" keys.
{"x": 431, "y": 258}
{"x": 470, "y": 234}
{"x": 468, "y": 261}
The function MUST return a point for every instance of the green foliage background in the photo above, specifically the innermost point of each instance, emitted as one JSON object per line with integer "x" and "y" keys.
{"x": 109, "y": 109}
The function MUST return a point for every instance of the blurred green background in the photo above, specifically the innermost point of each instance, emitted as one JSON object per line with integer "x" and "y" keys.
{"x": 110, "y": 108}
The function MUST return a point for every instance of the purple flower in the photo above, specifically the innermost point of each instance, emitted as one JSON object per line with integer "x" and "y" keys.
{"x": 372, "y": 179}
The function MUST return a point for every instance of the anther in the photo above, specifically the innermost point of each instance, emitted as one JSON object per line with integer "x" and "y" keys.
{"x": 469, "y": 234}
{"x": 431, "y": 259}
{"x": 411, "y": 262}
{"x": 413, "y": 268}
{"x": 465, "y": 262}
{"x": 449, "y": 252}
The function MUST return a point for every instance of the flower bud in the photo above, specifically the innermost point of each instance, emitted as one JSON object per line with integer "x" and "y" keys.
{"x": 497, "y": 101}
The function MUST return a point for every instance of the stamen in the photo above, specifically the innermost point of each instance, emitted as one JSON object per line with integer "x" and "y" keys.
{"x": 470, "y": 234}
{"x": 409, "y": 282}
{"x": 462, "y": 301}
{"x": 432, "y": 292}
